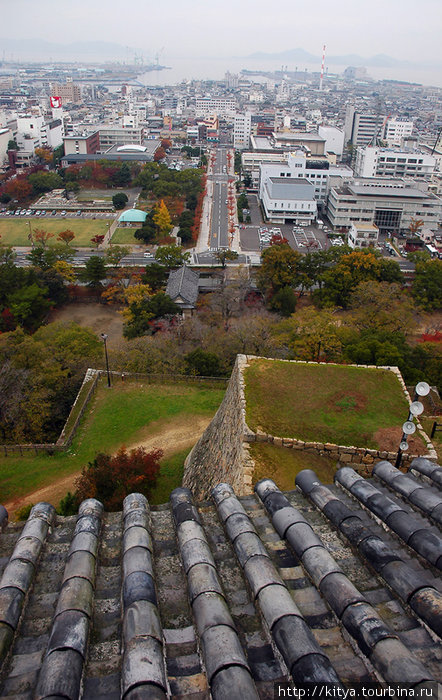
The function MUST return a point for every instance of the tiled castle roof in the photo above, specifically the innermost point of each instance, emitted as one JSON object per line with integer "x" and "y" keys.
{"x": 326, "y": 584}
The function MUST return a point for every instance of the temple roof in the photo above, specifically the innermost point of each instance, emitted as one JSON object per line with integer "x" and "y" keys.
{"x": 326, "y": 584}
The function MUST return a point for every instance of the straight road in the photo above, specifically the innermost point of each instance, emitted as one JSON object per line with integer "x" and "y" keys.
{"x": 219, "y": 232}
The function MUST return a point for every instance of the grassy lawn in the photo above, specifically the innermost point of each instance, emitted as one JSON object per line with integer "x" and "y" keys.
{"x": 125, "y": 236}
{"x": 91, "y": 196}
{"x": 282, "y": 465}
{"x": 427, "y": 424}
{"x": 324, "y": 403}
{"x": 116, "y": 417}
{"x": 171, "y": 475}
{"x": 15, "y": 232}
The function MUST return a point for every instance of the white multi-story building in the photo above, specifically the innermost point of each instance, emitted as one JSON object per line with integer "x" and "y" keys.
{"x": 363, "y": 235}
{"x": 316, "y": 171}
{"x": 288, "y": 199}
{"x": 111, "y": 135}
{"x": 361, "y": 129}
{"x": 33, "y": 131}
{"x": 374, "y": 161}
{"x": 222, "y": 106}
{"x": 5, "y": 137}
{"x": 396, "y": 129}
{"x": 390, "y": 204}
{"x": 334, "y": 139}
{"x": 242, "y": 129}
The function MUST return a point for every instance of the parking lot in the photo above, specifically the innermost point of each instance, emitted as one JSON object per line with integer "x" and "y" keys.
{"x": 257, "y": 235}
{"x": 307, "y": 238}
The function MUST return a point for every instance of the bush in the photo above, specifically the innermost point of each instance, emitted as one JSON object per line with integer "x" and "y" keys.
{"x": 23, "y": 512}
{"x": 203, "y": 363}
{"x": 284, "y": 301}
{"x": 110, "y": 478}
{"x": 68, "y": 505}
{"x": 120, "y": 200}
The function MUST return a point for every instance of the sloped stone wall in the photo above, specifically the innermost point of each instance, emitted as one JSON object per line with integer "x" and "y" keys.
{"x": 221, "y": 454}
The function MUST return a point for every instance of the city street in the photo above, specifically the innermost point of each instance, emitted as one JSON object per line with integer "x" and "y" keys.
{"x": 219, "y": 227}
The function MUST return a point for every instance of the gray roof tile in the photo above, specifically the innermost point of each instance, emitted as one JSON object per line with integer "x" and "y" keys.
{"x": 408, "y": 582}
{"x": 359, "y": 618}
{"x": 252, "y": 608}
{"x": 183, "y": 283}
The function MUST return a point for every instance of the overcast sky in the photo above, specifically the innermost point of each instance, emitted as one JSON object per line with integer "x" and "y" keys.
{"x": 404, "y": 29}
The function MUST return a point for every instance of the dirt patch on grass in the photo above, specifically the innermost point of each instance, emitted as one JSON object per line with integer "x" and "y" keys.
{"x": 344, "y": 401}
{"x": 389, "y": 439}
{"x": 170, "y": 437}
{"x": 97, "y": 317}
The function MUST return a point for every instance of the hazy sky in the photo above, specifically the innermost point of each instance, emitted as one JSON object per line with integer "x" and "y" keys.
{"x": 404, "y": 29}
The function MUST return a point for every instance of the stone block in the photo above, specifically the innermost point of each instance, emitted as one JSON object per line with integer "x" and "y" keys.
{"x": 346, "y": 458}
{"x": 277, "y": 441}
{"x": 367, "y": 459}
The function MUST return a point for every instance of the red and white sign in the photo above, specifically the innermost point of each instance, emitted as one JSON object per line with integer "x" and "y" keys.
{"x": 55, "y": 102}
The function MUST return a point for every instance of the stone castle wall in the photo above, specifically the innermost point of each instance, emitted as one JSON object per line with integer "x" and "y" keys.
{"x": 222, "y": 453}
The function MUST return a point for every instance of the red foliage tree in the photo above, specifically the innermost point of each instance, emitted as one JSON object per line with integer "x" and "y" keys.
{"x": 7, "y": 320}
{"x": 98, "y": 239}
{"x": 111, "y": 478}
{"x": 19, "y": 189}
{"x": 159, "y": 154}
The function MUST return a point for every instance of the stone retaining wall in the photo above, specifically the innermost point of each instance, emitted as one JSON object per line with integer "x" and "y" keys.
{"x": 222, "y": 453}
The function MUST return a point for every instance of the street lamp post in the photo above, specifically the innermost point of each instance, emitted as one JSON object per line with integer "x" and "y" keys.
{"x": 104, "y": 339}
{"x": 408, "y": 428}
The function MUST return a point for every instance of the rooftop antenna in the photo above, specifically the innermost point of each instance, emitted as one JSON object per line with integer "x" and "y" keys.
{"x": 322, "y": 67}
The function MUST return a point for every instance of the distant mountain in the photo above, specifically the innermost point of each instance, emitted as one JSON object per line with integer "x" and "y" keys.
{"x": 302, "y": 56}
{"x": 39, "y": 50}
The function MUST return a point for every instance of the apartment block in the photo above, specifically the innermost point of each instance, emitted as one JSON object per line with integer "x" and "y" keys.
{"x": 242, "y": 129}
{"x": 372, "y": 161}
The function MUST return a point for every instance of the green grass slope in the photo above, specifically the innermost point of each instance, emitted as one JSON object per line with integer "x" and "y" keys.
{"x": 122, "y": 415}
{"x": 325, "y": 403}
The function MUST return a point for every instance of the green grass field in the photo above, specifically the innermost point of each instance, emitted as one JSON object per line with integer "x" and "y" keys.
{"x": 325, "y": 403}
{"x": 282, "y": 465}
{"x": 125, "y": 236}
{"x": 116, "y": 417}
{"x": 15, "y": 232}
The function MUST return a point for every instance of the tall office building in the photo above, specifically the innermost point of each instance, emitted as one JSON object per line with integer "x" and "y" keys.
{"x": 362, "y": 129}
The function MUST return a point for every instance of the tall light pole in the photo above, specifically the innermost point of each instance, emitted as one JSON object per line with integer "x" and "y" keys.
{"x": 104, "y": 339}
{"x": 408, "y": 428}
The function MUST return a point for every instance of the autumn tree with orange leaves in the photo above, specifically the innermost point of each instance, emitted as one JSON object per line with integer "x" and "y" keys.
{"x": 66, "y": 236}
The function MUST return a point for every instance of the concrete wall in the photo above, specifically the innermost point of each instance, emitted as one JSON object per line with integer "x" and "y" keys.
{"x": 222, "y": 453}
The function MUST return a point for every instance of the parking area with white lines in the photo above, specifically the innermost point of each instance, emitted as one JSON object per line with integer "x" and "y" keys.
{"x": 306, "y": 238}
